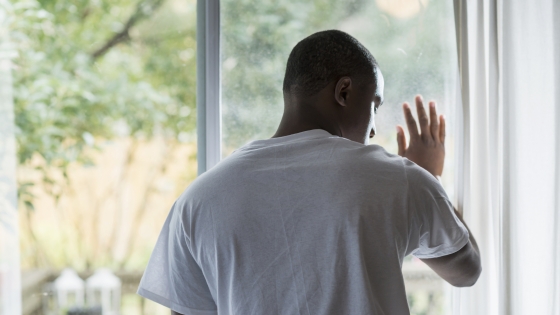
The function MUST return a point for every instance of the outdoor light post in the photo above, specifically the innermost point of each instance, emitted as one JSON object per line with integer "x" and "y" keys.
{"x": 68, "y": 291}
{"x": 104, "y": 289}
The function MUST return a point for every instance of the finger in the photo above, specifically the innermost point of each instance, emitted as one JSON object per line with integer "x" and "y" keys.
{"x": 401, "y": 140}
{"x": 410, "y": 122}
{"x": 434, "y": 121}
{"x": 423, "y": 118}
{"x": 442, "y": 129}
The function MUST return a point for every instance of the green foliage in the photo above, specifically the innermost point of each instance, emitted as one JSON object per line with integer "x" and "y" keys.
{"x": 65, "y": 96}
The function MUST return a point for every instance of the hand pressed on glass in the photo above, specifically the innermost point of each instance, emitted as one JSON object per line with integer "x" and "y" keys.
{"x": 426, "y": 148}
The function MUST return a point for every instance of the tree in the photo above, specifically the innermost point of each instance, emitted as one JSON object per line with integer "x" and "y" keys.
{"x": 94, "y": 70}
{"x": 65, "y": 93}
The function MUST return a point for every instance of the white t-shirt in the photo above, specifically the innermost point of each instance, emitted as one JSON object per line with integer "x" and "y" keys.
{"x": 308, "y": 223}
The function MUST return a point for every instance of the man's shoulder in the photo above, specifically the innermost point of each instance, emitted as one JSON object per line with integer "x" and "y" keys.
{"x": 356, "y": 160}
{"x": 214, "y": 181}
{"x": 420, "y": 182}
{"x": 376, "y": 156}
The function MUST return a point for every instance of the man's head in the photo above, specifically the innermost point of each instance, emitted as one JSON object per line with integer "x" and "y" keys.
{"x": 332, "y": 81}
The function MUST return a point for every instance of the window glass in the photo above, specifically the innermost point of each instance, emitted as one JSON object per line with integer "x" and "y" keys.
{"x": 413, "y": 42}
{"x": 104, "y": 97}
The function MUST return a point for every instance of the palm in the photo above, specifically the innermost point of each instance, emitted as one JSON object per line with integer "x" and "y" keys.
{"x": 426, "y": 147}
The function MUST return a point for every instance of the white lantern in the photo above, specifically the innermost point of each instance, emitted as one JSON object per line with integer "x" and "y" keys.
{"x": 68, "y": 290}
{"x": 104, "y": 289}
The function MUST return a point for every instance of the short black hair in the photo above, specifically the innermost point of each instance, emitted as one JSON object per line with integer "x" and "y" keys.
{"x": 324, "y": 57}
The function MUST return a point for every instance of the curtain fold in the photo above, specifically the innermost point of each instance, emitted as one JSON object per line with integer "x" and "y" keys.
{"x": 556, "y": 249}
{"x": 508, "y": 59}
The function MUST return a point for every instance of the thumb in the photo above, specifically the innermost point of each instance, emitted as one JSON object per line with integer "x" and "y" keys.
{"x": 401, "y": 140}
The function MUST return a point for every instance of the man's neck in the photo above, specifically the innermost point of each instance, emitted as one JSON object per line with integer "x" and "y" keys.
{"x": 292, "y": 124}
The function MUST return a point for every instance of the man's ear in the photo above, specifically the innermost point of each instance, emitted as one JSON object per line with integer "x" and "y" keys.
{"x": 342, "y": 90}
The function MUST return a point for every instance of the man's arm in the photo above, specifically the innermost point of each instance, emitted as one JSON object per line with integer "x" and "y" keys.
{"x": 462, "y": 268}
{"x": 427, "y": 149}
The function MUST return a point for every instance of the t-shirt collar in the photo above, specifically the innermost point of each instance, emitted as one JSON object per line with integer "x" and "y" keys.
{"x": 309, "y": 134}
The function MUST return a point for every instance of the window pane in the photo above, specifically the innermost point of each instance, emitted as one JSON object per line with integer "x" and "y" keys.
{"x": 413, "y": 42}
{"x": 104, "y": 95}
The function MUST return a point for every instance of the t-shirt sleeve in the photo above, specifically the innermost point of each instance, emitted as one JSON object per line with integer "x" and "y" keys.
{"x": 173, "y": 278}
{"x": 434, "y": 229}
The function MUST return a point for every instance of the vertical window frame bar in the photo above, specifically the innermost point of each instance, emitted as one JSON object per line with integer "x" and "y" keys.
{"x": 209, "y": 91}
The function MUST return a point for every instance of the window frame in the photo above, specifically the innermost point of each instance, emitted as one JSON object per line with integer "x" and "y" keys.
{"x": 208, "y": 84}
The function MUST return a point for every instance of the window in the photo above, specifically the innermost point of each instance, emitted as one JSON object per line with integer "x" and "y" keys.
{"x": 413, "y": 42}
{"x": 104, "y": 100}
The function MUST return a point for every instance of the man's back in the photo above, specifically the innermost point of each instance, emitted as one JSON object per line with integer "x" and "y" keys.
{"x": 303, "y": 224}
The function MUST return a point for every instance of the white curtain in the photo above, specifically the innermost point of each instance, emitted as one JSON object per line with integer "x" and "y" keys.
{"x": 509, "y": 59}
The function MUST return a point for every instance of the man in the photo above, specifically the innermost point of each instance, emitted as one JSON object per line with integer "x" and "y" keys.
{"x": 313, "y": 220}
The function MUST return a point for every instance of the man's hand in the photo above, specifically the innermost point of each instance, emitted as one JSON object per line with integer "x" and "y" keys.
{"x": 427, "y": 147}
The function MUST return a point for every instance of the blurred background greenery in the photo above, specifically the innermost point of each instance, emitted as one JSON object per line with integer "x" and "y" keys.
{"x": 104, "y": 95}
{"x": 88, "y": 73}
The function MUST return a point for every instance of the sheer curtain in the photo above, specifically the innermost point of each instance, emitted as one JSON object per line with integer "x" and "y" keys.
{"x": 509, "y": 59}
